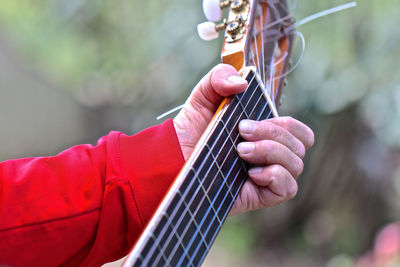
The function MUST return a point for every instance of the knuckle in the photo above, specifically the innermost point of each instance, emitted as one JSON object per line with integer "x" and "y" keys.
{"x": 286, "y": 121}
{"x": 275, "y": 171}
{"x": 271, "y": 130}
{"x": 266, "y": 149}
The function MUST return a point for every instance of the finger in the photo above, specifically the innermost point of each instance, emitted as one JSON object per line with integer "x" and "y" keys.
{"x": 266, "y": 130}
{"x": 275, "y": 184}
{"x": 296, "y": 128}
{"x": 223, "y": 80}
{"x": 267, "y": 152}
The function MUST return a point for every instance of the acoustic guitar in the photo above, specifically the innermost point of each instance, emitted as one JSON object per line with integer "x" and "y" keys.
{"x": 258, "y": 37}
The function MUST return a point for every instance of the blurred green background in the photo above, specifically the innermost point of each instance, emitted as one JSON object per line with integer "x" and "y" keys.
{"x": 71, "y": 71}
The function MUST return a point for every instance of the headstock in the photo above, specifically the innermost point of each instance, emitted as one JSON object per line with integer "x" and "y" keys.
{"x": 257, "y": 33}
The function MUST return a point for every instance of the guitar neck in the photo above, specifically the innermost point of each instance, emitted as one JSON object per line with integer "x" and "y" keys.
{"x": 188, "y": 220}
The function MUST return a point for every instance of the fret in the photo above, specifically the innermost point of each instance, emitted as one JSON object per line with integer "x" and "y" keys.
{"x": 242, "y": 107}
{"x": 180, "y": 245}
{"x": 167, "y": 242}
{"x": 232, "y": 137}
{"x": 191, "y": 219}
{"x": 208, "y": 200}
{"x": 219, "y": 167}
{"x": 159, "y": 257}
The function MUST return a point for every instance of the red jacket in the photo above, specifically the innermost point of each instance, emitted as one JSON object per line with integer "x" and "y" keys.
{"x": 87, "y": 205}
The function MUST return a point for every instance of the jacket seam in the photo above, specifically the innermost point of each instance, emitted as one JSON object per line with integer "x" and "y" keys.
{"x": 50, "y": 221}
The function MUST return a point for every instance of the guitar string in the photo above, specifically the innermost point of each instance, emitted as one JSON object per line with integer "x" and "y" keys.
{"x": 207, "y": 157}
{"x": 233, "y": 199}
{"x": 290, "y": 28}
{"x": 220, "y": 206}
{"x": 263, "y": 77}
{"x": 190, "y": 202}
{"x": 217, "y": 194}
{"x": 272, "y": 80}
{"x": 238, "y": 191}
{"x": 303, "y": 47}
{"x": 225, "y": 196}
{"x": 185, "y": 193}
{"x": 263, "y": 68}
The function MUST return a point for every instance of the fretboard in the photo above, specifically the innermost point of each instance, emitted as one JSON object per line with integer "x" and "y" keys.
{"x": 191, "y": 215}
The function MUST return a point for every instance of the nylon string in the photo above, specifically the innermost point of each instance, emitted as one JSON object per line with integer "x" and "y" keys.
{"x": 182, "y": 199}
{"x": 207, "y": 172}
{"x": 201, "y": 168}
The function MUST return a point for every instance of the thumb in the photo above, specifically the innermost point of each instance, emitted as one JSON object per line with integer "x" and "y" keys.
{"x": 223, "y": 80}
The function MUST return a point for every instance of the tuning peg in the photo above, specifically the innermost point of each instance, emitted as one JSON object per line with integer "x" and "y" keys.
{"x": 212, "y": 9}
{"x": 207, "y": 31}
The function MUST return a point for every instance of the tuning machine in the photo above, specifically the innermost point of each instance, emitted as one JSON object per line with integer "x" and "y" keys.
{"x": 234, "y": 25}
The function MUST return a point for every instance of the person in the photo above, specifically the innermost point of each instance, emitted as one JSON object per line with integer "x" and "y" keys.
{"x": 88, "y": 205}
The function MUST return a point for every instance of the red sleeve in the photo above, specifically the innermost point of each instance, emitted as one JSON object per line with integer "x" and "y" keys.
{"x": 87, "y": 205}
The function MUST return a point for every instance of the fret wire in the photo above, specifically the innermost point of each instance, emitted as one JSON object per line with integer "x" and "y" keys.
{"x": 205, "y": 194}
{"x": 178, "y": 244}
{"x": 251, "y": 81}
{"x": 169, "y": 223}
{"x": 210, "y": 206}
{"x": 214, "y": 145}
{"x": 219, "y": 168}
{"x": 161, "y": 252}
{"x": 233, "y": 200}
{"x": 211, "y": 223}
{"x": 261, "y": 97}
{"x": 233, "y": 142}
{"x": 238, "y": 191}
{"x": 185, "y": 230}
{"x": 180, "y": 239}
{"x": 243, "y": 110}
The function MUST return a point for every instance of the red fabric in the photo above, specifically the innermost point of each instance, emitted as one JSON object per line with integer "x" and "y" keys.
{"x": 87, "y": 205}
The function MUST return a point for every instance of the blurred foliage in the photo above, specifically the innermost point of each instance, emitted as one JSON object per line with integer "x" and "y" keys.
{"x": 145, "y": 56}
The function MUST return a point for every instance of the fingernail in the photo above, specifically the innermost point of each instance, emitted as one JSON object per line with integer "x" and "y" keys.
{"x": 255, "y": 170}
{"x": 234, "y": 79}
{"x": 245, "y": 147}
{"x": 247, "y": 126}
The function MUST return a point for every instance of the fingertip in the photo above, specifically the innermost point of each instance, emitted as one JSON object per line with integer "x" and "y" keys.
{"x": 227, "y": 81}
{"x": 311, "y": 138}
{"x": 236, "y": 80}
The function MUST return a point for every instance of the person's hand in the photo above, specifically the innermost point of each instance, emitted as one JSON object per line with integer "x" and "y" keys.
{"x": 276, "y": 146}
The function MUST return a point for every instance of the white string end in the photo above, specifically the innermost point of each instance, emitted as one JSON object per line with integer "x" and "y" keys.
{"x": 325, "y": 13}
{"x": 170, "y": 112}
